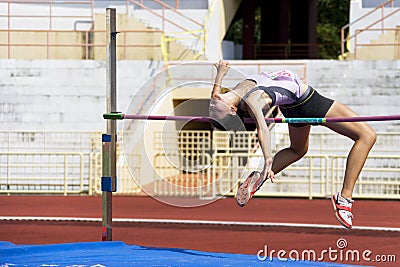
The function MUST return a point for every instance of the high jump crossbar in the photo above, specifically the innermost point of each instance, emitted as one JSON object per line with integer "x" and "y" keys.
{"x": 121, "y": 116}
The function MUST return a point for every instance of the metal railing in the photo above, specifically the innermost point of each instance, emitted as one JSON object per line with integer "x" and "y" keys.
{"x": 195, "y": 180}
{"x": 241, "y": 67}
{"x": 191, "y": 164}
{"x": 333, "y": 144}
{"x": 217, "y": 172}
{"x": 47, "y": 9}
{"x": 172, "y": 30}
{"x": 49, "y": 42}
{"x": 42, "y": 172}
{"x": 307, "y": 178}
{"x": 286, "y": 51}
{"x": 126, "y": 185}
{"x": 50, "y": 141}
{"x": 175, "y": 2}
{"x": 380, "y": 9}
{"x": 380, "y": 177}
{"x": 81, "y": 47}
{"x": 165, "y": 20}
{"x": 45, "y": 149}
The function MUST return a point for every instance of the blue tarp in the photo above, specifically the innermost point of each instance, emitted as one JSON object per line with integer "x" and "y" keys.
{"x": 98, "y": 254}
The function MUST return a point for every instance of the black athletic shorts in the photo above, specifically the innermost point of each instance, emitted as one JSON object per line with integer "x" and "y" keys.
{"x": 310, "y": 105}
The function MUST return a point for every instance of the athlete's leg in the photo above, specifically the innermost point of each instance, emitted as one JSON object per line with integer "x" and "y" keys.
{"x": 364, "y": 138}
{"x": 298, "y": 148}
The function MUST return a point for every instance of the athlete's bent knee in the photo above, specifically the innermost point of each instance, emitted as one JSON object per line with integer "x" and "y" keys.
{"x": 369, "y": 138}
{"x": 372, "y": 137}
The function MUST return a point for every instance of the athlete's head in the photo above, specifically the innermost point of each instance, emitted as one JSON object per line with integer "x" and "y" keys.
{"x": 223, "y": 115}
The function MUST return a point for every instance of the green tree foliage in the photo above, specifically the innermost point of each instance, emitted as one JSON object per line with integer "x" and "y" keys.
{"x": 332, "y": 16}
{"x": 234, "y": 32}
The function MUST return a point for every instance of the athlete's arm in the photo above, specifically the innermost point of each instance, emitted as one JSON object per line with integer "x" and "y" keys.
{"x": 222, "y": 69}
{"x": 264, "y": 136}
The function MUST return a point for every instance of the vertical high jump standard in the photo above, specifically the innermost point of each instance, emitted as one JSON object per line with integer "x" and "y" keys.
{"x": 109, "y": 139}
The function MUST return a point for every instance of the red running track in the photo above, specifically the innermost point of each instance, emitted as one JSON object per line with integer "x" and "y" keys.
{"x": 232, "y": 239}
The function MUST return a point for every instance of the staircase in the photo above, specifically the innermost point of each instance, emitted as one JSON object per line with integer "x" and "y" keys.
{"x": 374, "y": 29}
{"x": 385, "y": 47}
{"x": 149, "y": 30}
{"x": 183, "y": 33}
{"x": 139, "y": 41}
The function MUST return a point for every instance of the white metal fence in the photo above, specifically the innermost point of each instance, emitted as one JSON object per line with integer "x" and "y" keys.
{"x": 191, "y": 164}
{"x": 125, "y": 183}
{"x": 41, "y": 172}
{"x": 58, "y": 162}
{"x": 380, "y": 177}
{"x": 229, "y": 157}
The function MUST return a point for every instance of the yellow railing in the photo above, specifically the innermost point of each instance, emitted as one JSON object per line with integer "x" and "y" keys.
{"x": 50, "y": 141}
{"x": 314, "y": 176}
{"x": 32, "y": 162}
{"x": 126, "y": 185}
{"x": 380, "y": 177}
{"x": 219, "y": 170}
{"x": 42, "y": 172}
{"x": 204, "y": 165}
{"x": 221, "y": 175}
{"x": 191, "y": 178}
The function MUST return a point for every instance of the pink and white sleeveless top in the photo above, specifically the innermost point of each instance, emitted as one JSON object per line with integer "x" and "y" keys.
{"x": 284, "y": 87}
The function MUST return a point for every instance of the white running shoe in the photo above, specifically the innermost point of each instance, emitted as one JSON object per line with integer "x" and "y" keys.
{"x": 247, "y": 189}
{"x": 342, "y": 208}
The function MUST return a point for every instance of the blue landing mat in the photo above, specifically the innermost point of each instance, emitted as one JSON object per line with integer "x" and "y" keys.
{"x": 99, "y": 254}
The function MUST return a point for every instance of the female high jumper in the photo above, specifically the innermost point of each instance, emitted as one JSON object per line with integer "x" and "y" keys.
{"x": 255, "y": 95}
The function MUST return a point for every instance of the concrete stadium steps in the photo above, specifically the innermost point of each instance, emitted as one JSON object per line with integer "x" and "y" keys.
{"x": 384, "y": 49}
{"x": 70, "y": 95}
{"x": 368, "y": 87}
{"x": 43, "y": 95}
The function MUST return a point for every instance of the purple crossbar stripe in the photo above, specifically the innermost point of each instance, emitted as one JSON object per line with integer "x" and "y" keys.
{"x": 276, "y": 120}
{"x": 364, "y": 118}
